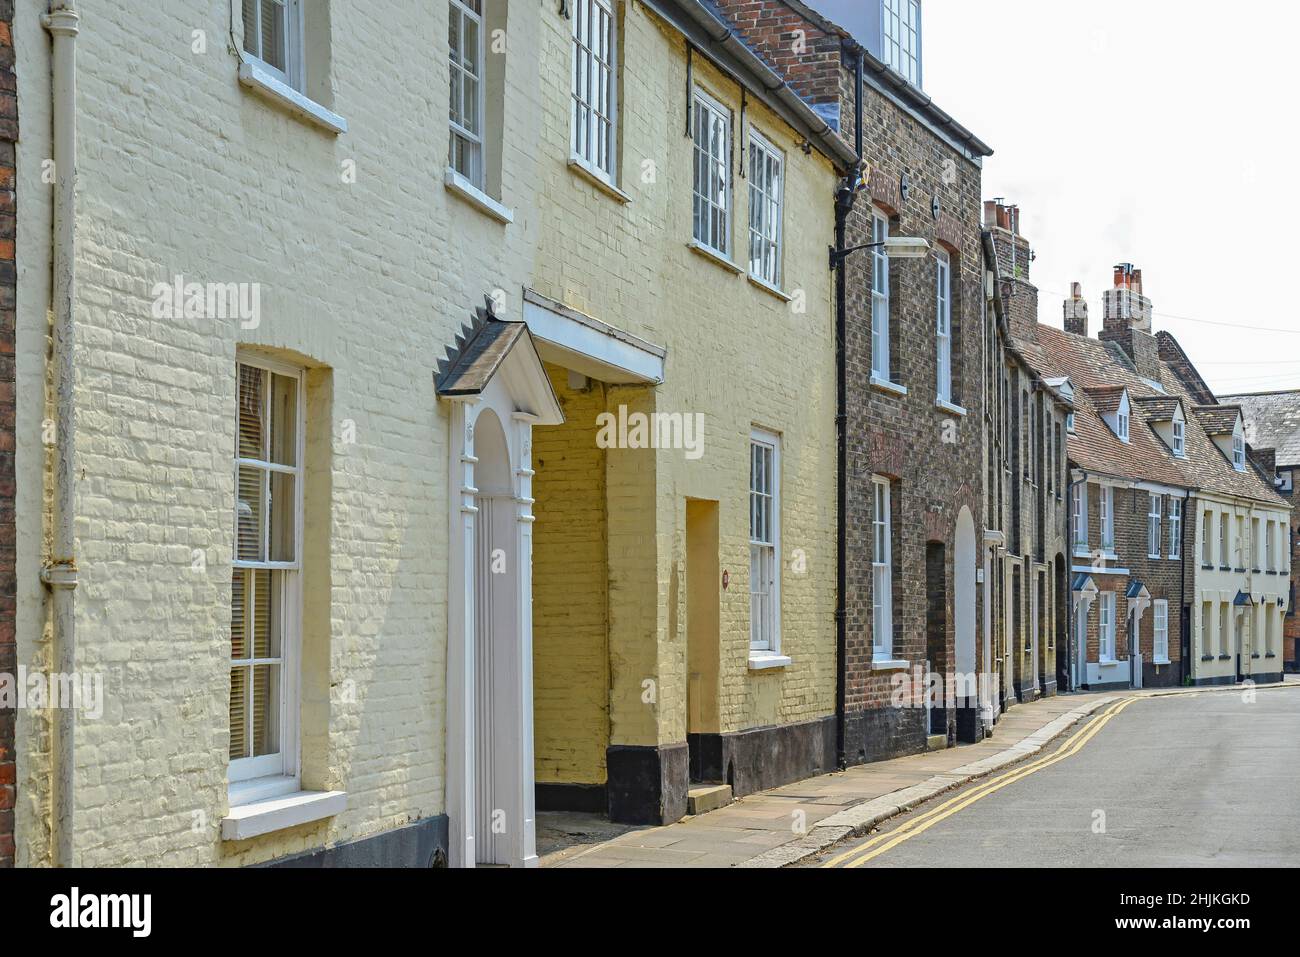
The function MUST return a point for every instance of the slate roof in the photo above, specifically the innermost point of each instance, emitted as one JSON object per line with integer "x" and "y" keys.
{"x": 1272, "y": 422}
{"x": 478, "y": 352}
{"x": 1101, "y": 370}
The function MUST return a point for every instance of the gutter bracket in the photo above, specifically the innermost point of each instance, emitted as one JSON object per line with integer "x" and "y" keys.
{"x": 60, "y": 574}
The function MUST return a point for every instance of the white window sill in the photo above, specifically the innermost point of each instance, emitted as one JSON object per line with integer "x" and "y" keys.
{"x": 1161, "y": 661}
{"x": 597, "y": 179}
{"x": 255, "y": 75}
{"x": 883, "y": 664}
{"x": 1107, "y": 663}
{"x": 711, "y": 254}
{"x": 767, "y": 287}
{"x": 950, "y": 407}
{"x": 766, "y": 661}
{"x": 460, "y": 186}
{"x": 277, "y": 813}
{"x": 884, "y": 385}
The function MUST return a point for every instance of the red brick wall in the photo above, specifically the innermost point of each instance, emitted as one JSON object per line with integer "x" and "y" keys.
{"x": 8, "y": 651}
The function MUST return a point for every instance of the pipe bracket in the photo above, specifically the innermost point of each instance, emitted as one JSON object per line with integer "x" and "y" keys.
{"x": 60, "y": 574}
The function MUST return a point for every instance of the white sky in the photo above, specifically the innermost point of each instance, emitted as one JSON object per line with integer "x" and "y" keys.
{"x": 1157, "y": 132}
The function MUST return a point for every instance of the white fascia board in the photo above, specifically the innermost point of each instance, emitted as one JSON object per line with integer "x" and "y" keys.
{"x": 597, "y": 350}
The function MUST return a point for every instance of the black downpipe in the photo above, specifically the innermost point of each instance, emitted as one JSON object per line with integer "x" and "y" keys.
{"x": 843, "y": 206}
{"x": 1184, "y": 613}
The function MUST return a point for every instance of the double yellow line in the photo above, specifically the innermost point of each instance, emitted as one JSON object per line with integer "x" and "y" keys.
{"x": 881, "y": 843}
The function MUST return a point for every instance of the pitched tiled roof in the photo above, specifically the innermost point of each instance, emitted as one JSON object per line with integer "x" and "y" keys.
{"x": 1158, "y": 408}
{"x": 1100, "y": 370}
{"x": 1218, "y": 419}
{"x": 1272, "y": 422}
{"x": 1106, "y": 400}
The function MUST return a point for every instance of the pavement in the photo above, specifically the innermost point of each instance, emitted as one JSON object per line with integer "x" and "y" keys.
{"x": 1199, "y": 780}
{"x": 800, "y": 821}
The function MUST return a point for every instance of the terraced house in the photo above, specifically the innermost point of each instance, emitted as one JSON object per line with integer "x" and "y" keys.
{"x": 409, "y": 475}
{"x": 1026, "y": 483}
{"x": 914, "y": 363}
{"x": 1175, "y": 562}
{"x": 1272, "y": 422}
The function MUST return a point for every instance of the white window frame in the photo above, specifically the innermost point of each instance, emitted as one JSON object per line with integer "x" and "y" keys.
{"x": 1107, "y": 506}
{"x": 880, "y": 357}
{"x": 456, "y": 66}
{"x": 1225, "y": 544}
{"x": 1069, "y": 423}
{"x": 882, "y": 570}
{"x": 1207, "y": 538}
{"x": 718, "y": 162}
{"x": 1175, "y": 527}
{"x": 765, "y": 546}
{"x": 1122, "y": 424}
{"x": 766, "y": 212}
{"x": 1225, "y": 627}
{"x": 595, "y": 68}
{"x": 900, "y": 34}
{"x": 1079, "y": 513}
{"x": 1257, "y": 541}
{"x": 291, "y": 10}
{"x": 1106, "y": 626}
{"x": 1270, "y": 545}
{"x": 1180, "y": 438}
{"x": 1239, "y": 453}
{"x": 943, "y": 324}
{"x": 276, "y": 773}
{"x": 1160, "y": 639}
{"x": 1155, "y": 516}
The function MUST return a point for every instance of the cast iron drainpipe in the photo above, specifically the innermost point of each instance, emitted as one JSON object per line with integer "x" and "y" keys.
{"x": 844, "y": 199}
{"x": 60, "y": 571}
{"x": 1185, "y": 654}
{"x": 1074, "y": 611}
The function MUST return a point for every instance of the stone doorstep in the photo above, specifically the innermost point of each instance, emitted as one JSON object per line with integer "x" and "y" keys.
{"x": 703, "y": 798}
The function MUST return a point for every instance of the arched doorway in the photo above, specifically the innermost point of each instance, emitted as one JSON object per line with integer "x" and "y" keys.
{"x": 497, "y": 759}
{"x": 964, "y": 616}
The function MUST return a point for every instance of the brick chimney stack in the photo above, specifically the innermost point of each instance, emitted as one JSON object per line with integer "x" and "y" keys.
{"x": 1126, "y": 319}
{"x": 1076, "y": 311}
{"x": 1124, "y": 307}
{"x": 1015, "y": 256}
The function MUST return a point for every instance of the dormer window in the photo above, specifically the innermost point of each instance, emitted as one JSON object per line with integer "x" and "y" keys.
{"x": 1239, "y": 452}
{"x": 1121, "y": 423}
{"x": 1069, "y": 423}
{"x": 1180, "y": 438}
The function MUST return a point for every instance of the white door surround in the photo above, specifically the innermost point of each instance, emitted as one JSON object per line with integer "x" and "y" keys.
{"x": 495, "y": 402}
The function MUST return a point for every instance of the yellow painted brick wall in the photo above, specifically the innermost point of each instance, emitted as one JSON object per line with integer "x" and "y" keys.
{"x": 570, "y": 575}
{"x": 736, "y": 353}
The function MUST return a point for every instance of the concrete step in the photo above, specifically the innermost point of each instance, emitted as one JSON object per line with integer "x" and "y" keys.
{"x": 936, "y": 742}
{"x": 703, "y": 798}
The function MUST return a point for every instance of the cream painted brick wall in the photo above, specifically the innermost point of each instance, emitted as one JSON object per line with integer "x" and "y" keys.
{"x": 183, "y": 171}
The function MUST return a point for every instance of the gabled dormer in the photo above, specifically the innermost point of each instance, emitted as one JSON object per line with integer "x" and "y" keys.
{"x": 1168, "y": 420}
{"x": 1116, "y": 409}
{"x": 1224, "y": 425}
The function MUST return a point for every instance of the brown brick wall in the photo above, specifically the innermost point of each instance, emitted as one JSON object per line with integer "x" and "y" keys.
{"x": 8, "y": 651}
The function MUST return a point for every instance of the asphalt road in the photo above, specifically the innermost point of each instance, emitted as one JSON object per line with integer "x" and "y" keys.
{"x": 1196, "y": 780}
